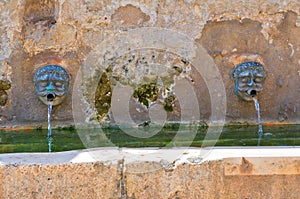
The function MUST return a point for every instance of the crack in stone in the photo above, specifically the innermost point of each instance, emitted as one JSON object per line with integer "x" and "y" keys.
{"x": 122, "y": 181}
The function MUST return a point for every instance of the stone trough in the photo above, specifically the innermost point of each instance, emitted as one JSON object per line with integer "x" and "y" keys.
{"x": 264, "y": 172}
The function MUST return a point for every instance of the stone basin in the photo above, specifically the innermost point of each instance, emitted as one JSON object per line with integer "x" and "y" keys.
{"x": 219, "y": 172}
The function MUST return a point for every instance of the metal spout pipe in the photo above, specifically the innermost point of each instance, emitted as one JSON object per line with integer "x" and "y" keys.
{"x": 252, "y": 93}
{"x": 50, "y": 97}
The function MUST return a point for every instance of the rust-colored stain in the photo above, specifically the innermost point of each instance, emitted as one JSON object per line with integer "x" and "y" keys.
{"x": 52, "y": 60}
{"x": 246, "y": 166}
{"x": 18, "y": 128}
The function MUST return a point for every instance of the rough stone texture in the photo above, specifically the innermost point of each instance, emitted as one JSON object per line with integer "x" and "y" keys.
{"x": 60, "y": 175}
{"x": 59, "y": 181}
{"x": 67, "y": 32}
{"x": 186, "y": 181}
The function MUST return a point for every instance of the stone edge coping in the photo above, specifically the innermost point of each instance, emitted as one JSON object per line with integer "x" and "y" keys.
{"x": 236, "y": 160}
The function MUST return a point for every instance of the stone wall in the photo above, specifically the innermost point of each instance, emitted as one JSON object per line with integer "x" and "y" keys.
{"x": 87, "y": 38}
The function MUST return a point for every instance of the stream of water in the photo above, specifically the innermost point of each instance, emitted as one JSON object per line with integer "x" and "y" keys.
{"x": 50, "y": 139}
{"x": 260, "y": 129}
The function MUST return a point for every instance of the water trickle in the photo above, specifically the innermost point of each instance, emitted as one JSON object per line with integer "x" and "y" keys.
{"x": 50, "y": 139}
{"x": 260, "y": 129}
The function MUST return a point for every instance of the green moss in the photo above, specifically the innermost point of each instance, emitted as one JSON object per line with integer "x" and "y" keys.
{"x": 146, "y": 94}
{"x": 202, "y": 126}
{"x": 171, "y": 126}
{"x": 4, "y": 85}
{"x": 235, "y": 124}
{"x": 39, "y": 128}
{"x": 169, "y": 102}
{"x": 103, "y": 96}
{"x": 68, "y": 128}
{"x": 3, "y": 98}
{"x": 109, "y": 69}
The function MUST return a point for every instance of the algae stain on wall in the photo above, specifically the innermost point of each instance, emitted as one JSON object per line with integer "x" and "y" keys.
{"x": 151, "y": 73}
{"x": 4, "y": 85}
{"x": 103, "y": 96}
